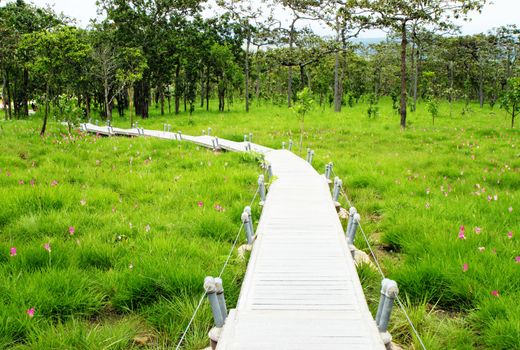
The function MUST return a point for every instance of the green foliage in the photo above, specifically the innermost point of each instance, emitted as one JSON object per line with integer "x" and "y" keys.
{"x": 302, "y": 106}
{"x": 511, "y": 99}
{"x": 373, "y": 106}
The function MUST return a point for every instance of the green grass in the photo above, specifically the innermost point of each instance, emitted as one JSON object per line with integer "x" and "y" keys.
{"x": 413, "y": 188}
{"x": 141, "y": 245}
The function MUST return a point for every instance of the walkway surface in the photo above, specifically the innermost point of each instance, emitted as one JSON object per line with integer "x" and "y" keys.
{"x": 301, "y": 289}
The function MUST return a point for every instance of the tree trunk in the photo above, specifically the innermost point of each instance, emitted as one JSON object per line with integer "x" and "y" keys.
{"x": 416, "y": 77}
{"x": 247, "y": 69}
{"x": 337, "y": 95}
{"x": 207, "y": 89}
{"x": 8, "y": 100}
{"x": 25, "y": 87}
{"x": 46, "y": 114}
{"x": 87, "y": 105}
{"x": 161, "y": 96}
{"x": 289, "y": 73}
{"x": 4, "y": 95}
{"x": 169, "y": 100}
{"x": 481, "y": 89}
{"x": 177, "y": 88}
{"x": 202, "y": 88}
{"x": 404, "y": 43}
{"x": 131, "y": 103}
{"x": 108, "y": 111}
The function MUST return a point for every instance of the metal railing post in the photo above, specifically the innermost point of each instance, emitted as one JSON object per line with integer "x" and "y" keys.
{"x": 219, "y": 286}
{"x": 351, "y": 235}
{"x": 209, "y": 131}
{"x": 290, "y": 145}
{"x": 247, "y": 210}
{"x": 311, "y": 157}
{"x": 391, "y": 294}
{"x": 261, "y": 188}
{"x": 250, "y": 137}
{"x": 247, "y": 227}
{"x": 211, "y": 292}
{"x": 283, "y": 145}
{"x": 382, "y": 300}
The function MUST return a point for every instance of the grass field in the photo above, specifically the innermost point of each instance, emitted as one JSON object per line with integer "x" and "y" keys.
{"x": 141, "y": 244}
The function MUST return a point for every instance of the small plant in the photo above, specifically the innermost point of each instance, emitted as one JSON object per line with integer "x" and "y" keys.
{"x": 433, "y": 108}
{"x": 373, "y": 106}
{"x": 302, "y": 106}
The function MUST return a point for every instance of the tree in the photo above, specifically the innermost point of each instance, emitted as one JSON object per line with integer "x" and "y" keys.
{"x": 55, "y": 55}
{"x": 398, "y": 14}
{"x": 301, "y": 108}
{"x": 511, "y": 99}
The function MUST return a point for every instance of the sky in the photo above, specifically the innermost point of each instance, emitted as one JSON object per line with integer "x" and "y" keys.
{"x": 495, "y": 14}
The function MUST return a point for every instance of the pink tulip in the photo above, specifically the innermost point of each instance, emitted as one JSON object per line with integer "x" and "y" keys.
{"x": 12, "y": 251}
{"x": 200, "y": 204}
{"x": 510, "y": 234}
{"x": 30, "y": 312}
{"x": 495, "y": 293}
{"x": 72, "y": 230}
{"x": 517, "y": 259}
{"x": 465, "y": 267}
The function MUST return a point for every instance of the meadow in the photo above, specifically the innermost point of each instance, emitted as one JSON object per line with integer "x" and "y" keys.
{"x": 133, "y": 225}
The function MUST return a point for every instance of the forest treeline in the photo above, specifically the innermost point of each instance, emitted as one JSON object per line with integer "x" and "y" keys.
{"x": 166, "y": 53}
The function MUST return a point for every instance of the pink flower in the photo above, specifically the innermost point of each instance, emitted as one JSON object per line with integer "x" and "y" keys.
{"x": 83, "y": 202}
{"x": 72, "y": 230}
{"x": 495, "y": 293}
{"x": 219, "y": 208}
{"x": 478, "y": 230}
{"x": 461, "y": 233}
{"x": 30, "y": 312}
{"x": 517, "y": 259}
{"x": 481, "y": 249}
{"x": 465, "y": 267}
{"x": 12, "y": 251}
{"x": 510, "y": 234}
{"x": 54, "y": 183}
{"x": 47, "y": 247}
{"x": 21, "y": 182}
{"x": 200, "y": 204}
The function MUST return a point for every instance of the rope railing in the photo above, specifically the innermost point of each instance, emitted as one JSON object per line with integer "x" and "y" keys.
{"x": 380, "y": 270}
{"x": 222, "y": 270}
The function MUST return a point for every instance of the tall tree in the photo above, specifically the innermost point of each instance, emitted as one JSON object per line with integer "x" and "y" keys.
{"x": 398, "y": 14}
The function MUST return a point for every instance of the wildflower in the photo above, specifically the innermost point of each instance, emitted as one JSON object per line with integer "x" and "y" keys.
{"x": 98, "y": 162}
{"x": 517, "y": 259}
{"x": 21, "y": 182}
{"x": 219, "y": 208}
{"x": 113, "y": 209}
{"x": 47, "y": 247}
{"x": 461, "y": 233}
{"x": 489, "y": 198}
{"x": 12, "y": 251}
{"x": 200, "y": 204}
{"x": 465, "y": 267}
{"x": 54, "y": 183}
{"x": 495, "y": 197}
{"x": 32, "y": 182}
{"x": 131, "y": 266}
{"x": 83, "y": 202}
{"x": 428, "y": 190}
{"x": 481, "y": 249}
{"x": 510, "y": 209}
{"x": 147, "y": 228}
{"x": 30, "y": 312}
{"x": 495, "y": 293}
{"x": 72, "y": 230}
{"x": 510, "y": 234}
{"x": 478, "y": 230}
{"x": 131, "y": 226}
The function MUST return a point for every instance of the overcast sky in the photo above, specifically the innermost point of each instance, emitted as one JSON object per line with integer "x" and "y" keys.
{"x": 500, "y": 12}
